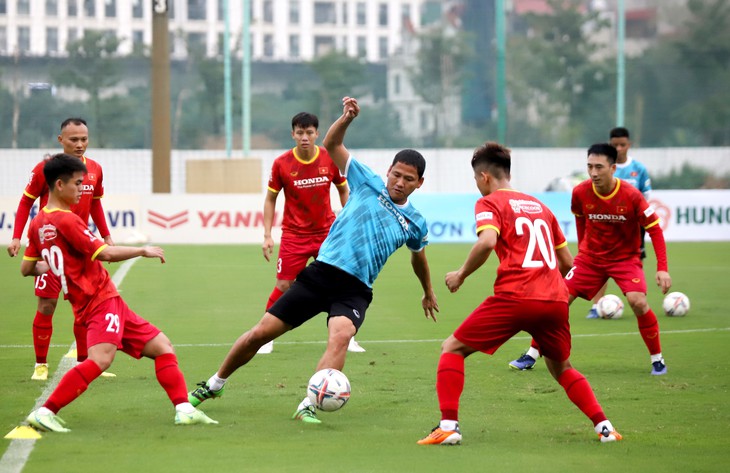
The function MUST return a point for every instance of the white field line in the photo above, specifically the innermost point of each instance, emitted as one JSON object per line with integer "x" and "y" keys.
{"x": 18, "y": 452}
{"x": 429, "y": 340}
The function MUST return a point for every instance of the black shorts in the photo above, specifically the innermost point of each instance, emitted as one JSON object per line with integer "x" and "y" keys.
{"x": 321, "y": 287}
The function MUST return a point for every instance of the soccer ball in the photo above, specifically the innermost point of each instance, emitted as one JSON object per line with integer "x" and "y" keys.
{"x": 610, "y": 306}
{"x": 328, "y": 389}
{"x": 676, "y": 304}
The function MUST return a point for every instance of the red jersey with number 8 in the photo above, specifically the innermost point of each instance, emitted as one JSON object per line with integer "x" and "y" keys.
{"x": 529, "y": 234}
{"x": 65, "y": 242}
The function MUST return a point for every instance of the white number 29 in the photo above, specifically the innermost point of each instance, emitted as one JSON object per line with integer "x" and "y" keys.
{"x": 113, "y": 320}
{"x": 539, "y": 235}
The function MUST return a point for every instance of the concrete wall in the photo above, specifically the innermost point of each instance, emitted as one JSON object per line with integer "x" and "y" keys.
{"x": 447, "y": 171}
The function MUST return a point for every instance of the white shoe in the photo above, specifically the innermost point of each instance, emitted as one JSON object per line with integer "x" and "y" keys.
{"x": 355, "y": 347}
{"x": 266, "y": 348}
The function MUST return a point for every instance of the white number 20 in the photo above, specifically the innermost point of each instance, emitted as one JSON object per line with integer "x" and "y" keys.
{"x": 539, "y": 235}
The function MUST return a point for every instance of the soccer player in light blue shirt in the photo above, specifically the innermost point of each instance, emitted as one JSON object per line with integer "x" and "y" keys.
{"x": 377, "y": 220}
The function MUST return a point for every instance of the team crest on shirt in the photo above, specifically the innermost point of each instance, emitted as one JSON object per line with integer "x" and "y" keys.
{"x": 91, "y": 176}
{"x": 590, "y": 206}
{"x": 526, "y": 206}
{"x": 47, "y": 233}
{"x": 634, "y": 173}
{"x": 622, "y": 209}
{"x": 324, "y": 170}
{"x": 294, "y": 173}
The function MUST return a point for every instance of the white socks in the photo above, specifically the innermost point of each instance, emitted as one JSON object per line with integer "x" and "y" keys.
{"x": 215, "y": 383}
{"x": 185, "y": 408}
{"x": 532, "y": 351}
{"x": 449, "y": 425}
{"x": 657, "y": 357}
{"x": 304, "y": 404}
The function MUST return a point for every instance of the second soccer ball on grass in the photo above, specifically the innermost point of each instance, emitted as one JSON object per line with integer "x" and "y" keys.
{"x": 610, "y": 306}
{"x": 328, "y": 389}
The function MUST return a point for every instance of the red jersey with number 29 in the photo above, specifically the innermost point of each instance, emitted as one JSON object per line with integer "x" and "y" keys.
{"x": 611, "y": 223}
{"x": 65, "y": 242}
{"x": 529, "y": 234}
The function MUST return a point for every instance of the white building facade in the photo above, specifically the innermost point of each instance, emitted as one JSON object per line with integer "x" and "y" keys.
{"x": 281, "y": 30}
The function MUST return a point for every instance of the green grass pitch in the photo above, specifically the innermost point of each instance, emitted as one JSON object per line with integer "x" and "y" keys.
{"x": 206, "y": 296}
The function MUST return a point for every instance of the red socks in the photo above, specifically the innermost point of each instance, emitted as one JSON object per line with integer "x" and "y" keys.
{"x": 649, "y": 330}
{"x": 171, "y": 378}
{"x": 82, "y": 351}
{"x": 273, "y": 297}
{"x": 579, "y": 391}
{"x": 72, "y": 385}
{"x": 450, "y": 384}
{"x": 42, "y": 331}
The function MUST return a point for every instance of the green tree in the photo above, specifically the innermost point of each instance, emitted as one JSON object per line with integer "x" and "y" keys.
{"x": 439, "y": 69}
{"x": 556, "y": 80}
{"x": 92, "y": 67}
{"x": 339, "y": 75}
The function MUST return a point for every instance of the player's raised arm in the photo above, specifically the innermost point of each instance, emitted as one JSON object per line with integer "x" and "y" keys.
{"x": 122, "y": 253}
{"x": 334, "y": 140}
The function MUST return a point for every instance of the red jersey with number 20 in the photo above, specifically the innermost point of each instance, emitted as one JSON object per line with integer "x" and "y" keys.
{"x": 306, "y": 185}
{"x": 529, "y": 234}
{"x": 610, "y": 223}
{"x": 65, "y": 242}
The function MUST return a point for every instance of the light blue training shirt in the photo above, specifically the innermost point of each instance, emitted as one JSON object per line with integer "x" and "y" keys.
{"x": 370, "y": 227}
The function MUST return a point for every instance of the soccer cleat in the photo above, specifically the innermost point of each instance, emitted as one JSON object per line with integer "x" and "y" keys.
{"x": 438, "y": 436}
{"x": 195, "y": 417}
{"x": 202, "y": 393}
{"x": 609, "y": 435}
{"x": 525, "y": 362}
{"x": 593, "y": 314}
{"x": 307, "y": 415}
{"x": 40, "y": 372}
{"x": 355, "y": 347}
{"x": 658, "y": 368}
{"x": 266, "y": 348}
{"x": 46, "y": 422}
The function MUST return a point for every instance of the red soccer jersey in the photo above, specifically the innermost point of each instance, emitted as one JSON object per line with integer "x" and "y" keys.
{"x": 64, "y": 241}
{"x": 93, "y": 188}
{"x": 306, "y": 185}
{"x": 611, "y": 222}
{"x": 529, "y": 233}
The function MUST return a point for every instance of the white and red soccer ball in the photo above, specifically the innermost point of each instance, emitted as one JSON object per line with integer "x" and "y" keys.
{"x": 328, "y": 389}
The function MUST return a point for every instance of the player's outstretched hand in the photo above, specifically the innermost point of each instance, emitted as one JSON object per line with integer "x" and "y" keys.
{"x": 154, "y": 252}
{"x": 268, "y": 247}
{"x": 14, "y": 247}
{"x": 350, "y": 108}
{"x": 430, "y": 305}
{"x": 454, "y": 281}
{"x": 664, "y": 281}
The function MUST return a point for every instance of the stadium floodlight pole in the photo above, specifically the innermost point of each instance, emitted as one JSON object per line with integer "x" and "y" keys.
{"x": 161, "y": 134}
{"x": 227, "y": 91}
{"x": 246, "y": 79}
{"x": 500, "y": 32}
{"x": 620, "y": 63}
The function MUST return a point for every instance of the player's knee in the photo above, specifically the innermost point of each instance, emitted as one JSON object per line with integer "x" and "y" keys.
{"x": 283, "y": 284}
{"x": 47, "y": 306}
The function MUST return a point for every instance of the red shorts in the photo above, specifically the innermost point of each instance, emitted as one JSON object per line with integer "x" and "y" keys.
{"x": 294, "y": 252}
{"x": 497, "y": 319}
{"x": 113, "y": 322}
{"x": 587, "y": 277}
{"x": 47, "y": 285}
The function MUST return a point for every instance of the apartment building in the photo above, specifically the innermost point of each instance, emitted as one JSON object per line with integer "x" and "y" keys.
{"x": 281, "y": 30}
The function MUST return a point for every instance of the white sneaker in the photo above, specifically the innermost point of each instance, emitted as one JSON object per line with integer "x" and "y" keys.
{"x": 355, "y": 347}
{"x": 266, "y": 348}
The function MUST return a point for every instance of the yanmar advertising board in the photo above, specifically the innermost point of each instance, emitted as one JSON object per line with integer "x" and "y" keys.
{"x": 697, "y": 215}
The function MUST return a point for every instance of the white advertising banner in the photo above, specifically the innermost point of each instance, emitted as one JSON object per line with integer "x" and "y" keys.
{"x": 694, "y": 215}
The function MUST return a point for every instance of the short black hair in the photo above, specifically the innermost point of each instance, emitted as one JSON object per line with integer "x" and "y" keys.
{"x": 62, "y": 166}
{"x": 305, "y": 120}
{"x": 74, "y": 120}
{"x": 604, "y": 149}
{"x": 619, "y": 132}
{"x": 494, "y": 158}
{"x": 413, "y": 158}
